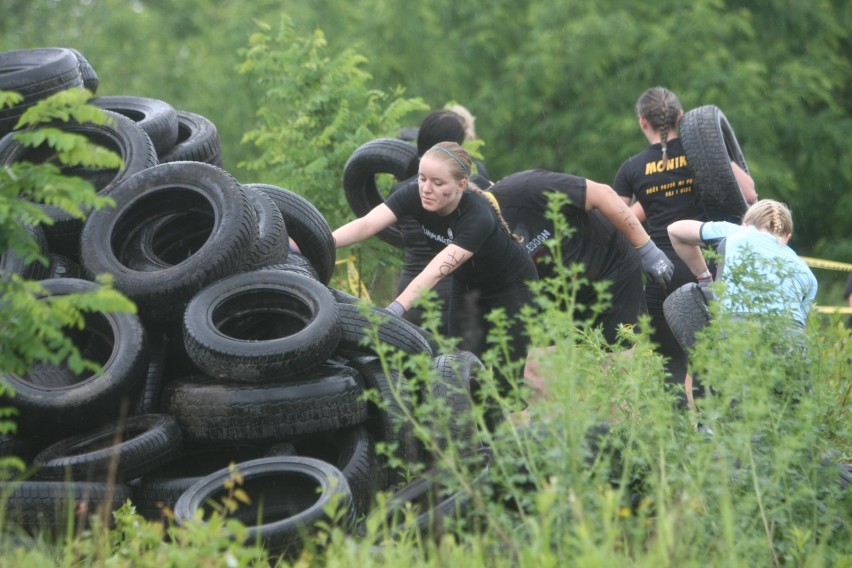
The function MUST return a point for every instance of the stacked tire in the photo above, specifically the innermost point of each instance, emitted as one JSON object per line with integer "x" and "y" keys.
{"x": 240, "y": 351}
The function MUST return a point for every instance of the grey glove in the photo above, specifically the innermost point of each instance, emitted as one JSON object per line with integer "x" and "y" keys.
{"x": 705, "y": 284}
{"x": 396, "y": 309}
{"x": 656, "y": 264}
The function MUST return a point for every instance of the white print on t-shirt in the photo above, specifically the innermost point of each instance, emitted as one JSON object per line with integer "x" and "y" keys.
{"x": 538, "y": 240}
{"x": 439, "y": 238}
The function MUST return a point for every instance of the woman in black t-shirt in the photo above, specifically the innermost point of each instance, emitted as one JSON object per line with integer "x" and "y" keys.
{"x": 471, "y": 242}
{"x": 605, "y": 238}
{"x": 658, "y": 184}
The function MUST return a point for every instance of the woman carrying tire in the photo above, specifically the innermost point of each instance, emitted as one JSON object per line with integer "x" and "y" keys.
{"x": 471, "y": 241}
{"x": 661, "y": 183}
{"x": 762, "y": 241}
{"x": 763, "y": 277}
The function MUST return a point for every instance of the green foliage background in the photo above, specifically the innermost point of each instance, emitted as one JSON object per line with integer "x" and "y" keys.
{"x": 552, "y": 84}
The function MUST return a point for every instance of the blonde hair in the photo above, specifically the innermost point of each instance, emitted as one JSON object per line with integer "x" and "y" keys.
{"x": 467, "y": 118}
{"x": 459, "y": 163}
{"x": 770, "y": 215}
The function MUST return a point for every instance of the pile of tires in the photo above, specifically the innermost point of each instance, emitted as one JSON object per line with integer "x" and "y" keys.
{"x": 240, "y": 350}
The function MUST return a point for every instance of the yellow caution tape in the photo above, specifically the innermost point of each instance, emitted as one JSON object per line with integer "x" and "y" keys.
{"x": 353, "y": 278}
{"x": 828, "y": 264}
{"x": 834, "y": 309}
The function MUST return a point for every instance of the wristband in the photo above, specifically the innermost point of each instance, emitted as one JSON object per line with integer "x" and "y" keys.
{"x": 643, "y": 244}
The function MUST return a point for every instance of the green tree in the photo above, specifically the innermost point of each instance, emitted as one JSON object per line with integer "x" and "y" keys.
{"x": 33, "y": 328}
{"x": 316, "y": 110}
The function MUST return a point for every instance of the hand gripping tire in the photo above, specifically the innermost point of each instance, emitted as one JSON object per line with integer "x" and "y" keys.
{"x": 710, "y": 146}
{"x": 686, "y": 312}
{"x": 178, "y": 187}
{"x": 115, "y": 340}
{"x": 324, "y": 400}
{"x": 290, "y": 495}
{"x": 381, "y": 156}
{"x": 261, "y": 326}
{"x": 132, "y": 448}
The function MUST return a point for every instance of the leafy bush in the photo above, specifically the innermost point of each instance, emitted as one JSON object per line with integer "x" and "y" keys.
{"x": 32, "y": 329}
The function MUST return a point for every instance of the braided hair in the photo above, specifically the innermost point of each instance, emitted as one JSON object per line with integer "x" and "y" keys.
{"x": 460, "y": 166}
{"x": 770, "y": 215}
{"x": 661, "y": 108}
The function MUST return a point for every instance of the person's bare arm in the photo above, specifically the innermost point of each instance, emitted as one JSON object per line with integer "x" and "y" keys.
{"x": 612, "y": 206}
{"x": 442, "y": 265}
{"x": 634, "y": 206}
{"x": 686, "y": 239}
{"x": 380, "y": 217}
{"x": 746, "y": 183}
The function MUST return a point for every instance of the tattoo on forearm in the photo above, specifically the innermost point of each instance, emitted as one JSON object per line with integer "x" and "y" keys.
{"x": 450, "y": 264}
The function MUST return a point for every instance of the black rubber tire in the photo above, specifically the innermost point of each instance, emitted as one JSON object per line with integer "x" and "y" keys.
{"x": 685, "y": 310}
{"x": 710, "y": 146}
{"x": 427, "y": 496}
{"x": 261, "y": 326}
{"x": 162, "y": 486}
{"x": 409, "y": 133}
{"x": 197, "y": 141}
{"x": 38, "y": 506}
{"x": 455, "y": 386}
{"x": 381, "y": 156}
{"x": 91, "y": 81}
{"x": 306, "y": 226}
{"x": 35, "y": 74}
{"x": 293, "y": 491}
{"x": 297, "y": 263}
{"x": 356, "y": 332}
{"x": 353, "y": 452}
{"x": 126, "y": 450}
{"x": 157, "y": 118}
{"x": 12, "y": 263}
{"x": 388, "y": 418}
{"x": 115, "y": 340}
{"x": 148, "y": 400}
{"x": 122, "y": 136}
{"x": 272, "y": 238}
{"x": 187, "y": 187}
{"x": 63, "y": 267}
{"x": 325, "y": 400}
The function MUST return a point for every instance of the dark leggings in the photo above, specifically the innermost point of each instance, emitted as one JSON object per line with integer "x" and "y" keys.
{"x": 668, "y": 347}
{"x": 467, "y": 319}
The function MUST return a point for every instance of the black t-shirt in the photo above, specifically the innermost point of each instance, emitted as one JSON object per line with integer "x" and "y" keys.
{"x": 523, "y": 199}
{"x": 497, "y": 259}
{"x": 665, "y": 190}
